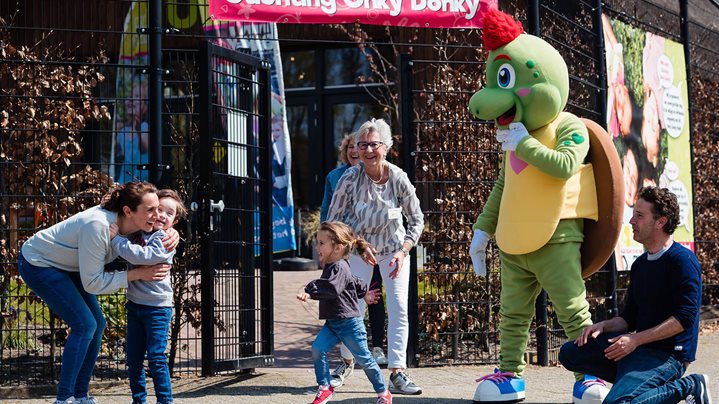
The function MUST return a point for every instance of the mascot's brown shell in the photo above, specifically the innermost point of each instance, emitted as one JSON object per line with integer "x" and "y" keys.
{"x": 600, "y": 237}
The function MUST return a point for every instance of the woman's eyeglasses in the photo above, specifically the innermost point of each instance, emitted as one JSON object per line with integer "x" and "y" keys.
{"x": 373, "y": 145}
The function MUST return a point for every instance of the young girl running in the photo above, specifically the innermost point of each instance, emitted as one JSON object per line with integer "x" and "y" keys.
{"x": 338, "y": 292}
{"x": 149, "y": 303}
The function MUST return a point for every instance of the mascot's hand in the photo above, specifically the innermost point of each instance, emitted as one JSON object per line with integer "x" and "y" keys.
{"x": 478, "y": 252}
{"x": 510, "y": 138}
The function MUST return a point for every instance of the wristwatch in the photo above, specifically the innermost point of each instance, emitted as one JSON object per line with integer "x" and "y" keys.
{"x": 404, "y": 250}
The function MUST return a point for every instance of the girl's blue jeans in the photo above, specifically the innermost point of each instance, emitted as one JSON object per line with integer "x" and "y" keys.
{"x": 646, "y": 376}
{"x": 64, "y": 294}
{"x": 147, "y": 328}
{"x": 351, "y": 332}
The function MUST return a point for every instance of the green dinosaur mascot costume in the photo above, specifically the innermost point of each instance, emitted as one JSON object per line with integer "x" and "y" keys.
{"x": 538, "y": 206}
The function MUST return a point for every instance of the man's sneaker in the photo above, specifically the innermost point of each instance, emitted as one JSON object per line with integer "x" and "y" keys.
{"x": 341, "y": 373}
{"x": 324, "y": 394}
{"x": 590, "y": 390}
{"x": 700, "y": 395}
{"x": 385, "y": 399}
{"x": 400, "y": 383}
{"x": 499, "y": 387}
{"x": 378, "y": 356}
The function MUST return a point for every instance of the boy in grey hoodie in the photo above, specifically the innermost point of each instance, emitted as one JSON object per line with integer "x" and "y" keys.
{"x": 149, "y": 306}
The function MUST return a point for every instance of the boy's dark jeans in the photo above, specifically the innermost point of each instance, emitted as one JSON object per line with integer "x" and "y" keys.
{"x": 147, "y": 328}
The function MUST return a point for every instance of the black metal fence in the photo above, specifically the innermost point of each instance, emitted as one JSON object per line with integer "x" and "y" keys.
{"x": 44, "y": 176}
{"x": 95, "y": 92}
{"x": 456, "y": 162}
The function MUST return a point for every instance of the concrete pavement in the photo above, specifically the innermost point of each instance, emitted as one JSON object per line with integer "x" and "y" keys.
{"x": 293, "y": 381}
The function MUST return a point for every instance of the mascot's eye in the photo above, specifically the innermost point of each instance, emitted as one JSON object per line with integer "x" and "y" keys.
{"x": 505, "y": 76}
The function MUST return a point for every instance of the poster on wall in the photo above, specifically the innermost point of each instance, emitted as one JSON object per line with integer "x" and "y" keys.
{"x": 647, "y": 117}
{"x": 130, "y": 147}
{"x": 129, "y": 153}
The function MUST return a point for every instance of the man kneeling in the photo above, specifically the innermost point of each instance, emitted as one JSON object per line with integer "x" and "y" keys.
{"x": 646, "y": 349}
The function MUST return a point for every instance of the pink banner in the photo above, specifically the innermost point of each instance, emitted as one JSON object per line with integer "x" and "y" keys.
{"x": 404, "y": 13}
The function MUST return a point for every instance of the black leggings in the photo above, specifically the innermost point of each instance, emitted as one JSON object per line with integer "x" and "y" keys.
{"x": 376, "y": 311}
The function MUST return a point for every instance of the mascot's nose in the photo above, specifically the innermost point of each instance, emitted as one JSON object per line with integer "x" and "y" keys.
{"x": 490, "y": 103}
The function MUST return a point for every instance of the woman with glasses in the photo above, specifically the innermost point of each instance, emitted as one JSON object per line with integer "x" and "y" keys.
{"x": 372, "y": 197}
{"x": 349, "y": 156}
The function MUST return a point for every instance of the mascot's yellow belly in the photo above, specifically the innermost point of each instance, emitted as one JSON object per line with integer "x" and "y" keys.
{"x": 533, "y": 203}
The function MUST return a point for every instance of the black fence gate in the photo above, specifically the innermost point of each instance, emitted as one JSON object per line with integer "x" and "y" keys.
{"x": 235, "y": 210}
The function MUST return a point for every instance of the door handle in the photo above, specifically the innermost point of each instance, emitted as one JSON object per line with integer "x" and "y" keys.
{"x": 218, "y": 206}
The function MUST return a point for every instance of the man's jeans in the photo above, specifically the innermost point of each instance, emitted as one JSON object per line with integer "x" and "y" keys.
{"x": 147, "y": 328}
{"x": 64, "y": 294}
{"x": 351, "y": 332}
{"x": 645, "y": 376}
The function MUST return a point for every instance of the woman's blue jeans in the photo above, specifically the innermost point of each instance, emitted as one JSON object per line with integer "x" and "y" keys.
{"x": 351, "y": 332}
{"x": 64, "y": 294}
{"x": 147, "y": 328}
{"x": 645, "y": 376}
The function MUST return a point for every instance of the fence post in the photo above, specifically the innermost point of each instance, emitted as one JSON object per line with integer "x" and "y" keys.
{"x": 601, "y": 66}
{"x": 207, "y": 276}
{"x": 408, "y": 155}
{"x": 684, "y": 26}
{"x": 541, "y": 303}
{"x": 599, "y": 50}
{"x": 155, "y": 88}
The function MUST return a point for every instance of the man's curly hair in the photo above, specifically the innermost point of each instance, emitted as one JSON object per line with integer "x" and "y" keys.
{"x": 664, "y": 203}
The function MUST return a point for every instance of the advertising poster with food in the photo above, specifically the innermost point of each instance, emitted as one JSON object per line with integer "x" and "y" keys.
{"x": 648, "y": 119}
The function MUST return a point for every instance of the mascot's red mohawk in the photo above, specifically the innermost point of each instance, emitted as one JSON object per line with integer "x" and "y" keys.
{"x": 499, "y": 29}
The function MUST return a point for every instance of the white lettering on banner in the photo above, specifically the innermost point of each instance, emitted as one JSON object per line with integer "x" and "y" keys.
{"x": 418, "y": 5}
{"x": 395, "y": 9}
{"x": 454, "y": 6}
{"x": 473, "y": 7}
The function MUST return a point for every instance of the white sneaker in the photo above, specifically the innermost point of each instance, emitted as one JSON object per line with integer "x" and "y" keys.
{"x": 69, "y": 400}
{"x": 378, "y": 356}
{"x": 86, "y": 400}
{"x": 590, "y": 390}
{"x": 400, "y": 383}
{"x": 341, "y": 373}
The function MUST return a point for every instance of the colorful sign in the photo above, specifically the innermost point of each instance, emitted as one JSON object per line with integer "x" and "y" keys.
{"x": 404, "y": 13}
{"x": 647, "y": 104}
{"x": 260, "y": 39}
{"x": 130, "y": 148}
{"x": 129, "y": 154}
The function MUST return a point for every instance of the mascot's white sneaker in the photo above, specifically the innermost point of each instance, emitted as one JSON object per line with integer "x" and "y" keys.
{"x": 499, "y": 387}
{"x": 591, "y": 390}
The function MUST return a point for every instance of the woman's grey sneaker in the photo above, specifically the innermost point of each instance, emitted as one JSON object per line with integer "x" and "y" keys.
{"x": 69, "y": 400}
{"x": 700, "y": 395}
{"x": 341, "y": 373}
{"x": 86, "y": 400}
{"x": 378, "y": 356}
{"x": 400, "y": 383}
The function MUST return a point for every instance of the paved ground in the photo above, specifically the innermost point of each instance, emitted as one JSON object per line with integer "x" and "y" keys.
{"x": 293, "y": 377}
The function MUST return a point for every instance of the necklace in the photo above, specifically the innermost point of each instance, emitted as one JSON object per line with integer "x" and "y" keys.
{"x": 381, "y": 175}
